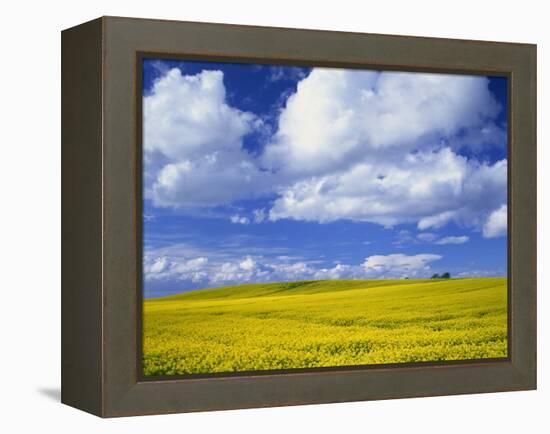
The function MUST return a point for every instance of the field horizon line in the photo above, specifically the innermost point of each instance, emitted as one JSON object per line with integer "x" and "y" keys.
{"x": 303, "y": 282}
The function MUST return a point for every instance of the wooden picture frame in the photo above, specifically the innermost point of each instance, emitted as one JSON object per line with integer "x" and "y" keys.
{"x": 101, "y": 194}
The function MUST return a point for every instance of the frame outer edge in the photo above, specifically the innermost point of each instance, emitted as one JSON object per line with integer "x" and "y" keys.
{"x": 81, "y": 211}
{"x": 531, "y": 188}
{"x": 523, "y": 215}
{"x": 123, "y": 393}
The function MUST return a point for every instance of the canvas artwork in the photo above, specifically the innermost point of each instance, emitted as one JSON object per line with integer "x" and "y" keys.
{"x": 312, "y": 217}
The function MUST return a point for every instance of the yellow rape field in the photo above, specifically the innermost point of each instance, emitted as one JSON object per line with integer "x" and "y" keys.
{"x": 309, "y": 324}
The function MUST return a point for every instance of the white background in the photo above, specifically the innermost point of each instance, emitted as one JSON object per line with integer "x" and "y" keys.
{"x": 30, "y": 215}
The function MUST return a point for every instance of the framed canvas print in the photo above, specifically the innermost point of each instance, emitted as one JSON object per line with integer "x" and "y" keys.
{"x": 261, "y": 216}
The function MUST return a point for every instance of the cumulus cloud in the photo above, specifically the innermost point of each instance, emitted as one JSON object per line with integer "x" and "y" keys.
{"x": 379, "y": 147}
{"x": 339, "y": 271}
{"x": 497, "y": 223}
{"x": 337, "y": 115}
{"x": 169, "y": 268}
{"x": 237, "y": 219}
{"x": 193, "y": 143}
{"x": 183, "y": 267}
{"x": 238, "y": 271}
{"x": 383, "y": 147}
{"x": 430, "y": 189}
{"x": 247, "y": 264}
{"x": 399, "y": 265}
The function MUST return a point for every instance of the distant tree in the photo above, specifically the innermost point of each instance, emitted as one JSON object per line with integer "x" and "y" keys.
{"x": 435, "y": 276}
{"x": 446, "y": 275}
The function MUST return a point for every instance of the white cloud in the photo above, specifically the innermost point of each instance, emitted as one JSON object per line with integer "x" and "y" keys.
{"x": 339, "y": 271}
{"x": 184, "y": 267}
{"x": 235, "y": 272}
{"x": 173, "y": 268}
{"x": 497, "y": 223}
{"x": 405, "y": 237}
{"x": 193, "y": 143}
{"x": 453, "y": 240}
{"x": 382, "y": 147}
{"x": 193, "y": 267}
{"x": 337, "y": 116}
{"x": 378, "y": 147}
{"x": 237, "y": 219}
{"x": 429, "y": 188}
{"x": 259, "y": 215}
{"x": 158, "y": 266}
{"x": 436, "y": 221}
{"x": 399, "y": 265}
{"x": 247, "y": 264}
{"x": 187, "y": 116}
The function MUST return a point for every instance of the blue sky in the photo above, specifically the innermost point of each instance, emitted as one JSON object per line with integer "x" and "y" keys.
{"x": 266, "y": 173}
